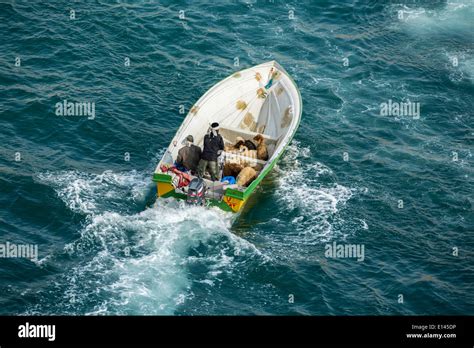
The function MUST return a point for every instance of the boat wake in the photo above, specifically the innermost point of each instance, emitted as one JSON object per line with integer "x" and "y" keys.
{"x": 317, "y": 198}
{"x": 310, "y": 204}
{"x": 126, "y": 258}
{"x": 127, "y": 261}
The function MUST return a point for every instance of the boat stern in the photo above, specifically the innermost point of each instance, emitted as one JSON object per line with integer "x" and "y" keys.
{"x": 232, "y": 201}
{"x": 164, "y": 184}
{"x": 235, "y": 204}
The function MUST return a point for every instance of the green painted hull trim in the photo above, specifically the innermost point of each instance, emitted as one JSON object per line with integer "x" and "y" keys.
{"x": 209, "y": 202}
{"x": 164, "y": 178}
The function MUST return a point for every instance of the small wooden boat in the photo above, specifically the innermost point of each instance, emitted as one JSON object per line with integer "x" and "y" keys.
{"x": 261, "y": 100}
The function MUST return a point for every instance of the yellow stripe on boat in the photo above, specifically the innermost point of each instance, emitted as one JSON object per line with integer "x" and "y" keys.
{"x": 234, "y": 203}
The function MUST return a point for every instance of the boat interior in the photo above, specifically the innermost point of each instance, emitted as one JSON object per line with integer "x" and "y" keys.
{"x": 216, "y": 189}
{"x": 245, "y": 104}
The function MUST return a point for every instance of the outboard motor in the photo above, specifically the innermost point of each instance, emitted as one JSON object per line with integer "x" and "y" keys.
{"x": 196, "y": 192}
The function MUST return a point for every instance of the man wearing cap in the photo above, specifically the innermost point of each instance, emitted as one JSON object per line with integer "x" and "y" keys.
{"x": 188, "y": 155}
{"x": 213, "y": 146}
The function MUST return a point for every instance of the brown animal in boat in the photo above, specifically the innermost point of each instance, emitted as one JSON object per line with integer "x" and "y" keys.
{"x": 262, "y": 152}
{"x": 246, "y": 176}
{"x": 234, "y": 147}
{"x": 244, "y": 151}
{"x": 232, "y": 169}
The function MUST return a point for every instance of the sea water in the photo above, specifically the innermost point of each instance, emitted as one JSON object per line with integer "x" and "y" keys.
{"x": 398, "y": 186}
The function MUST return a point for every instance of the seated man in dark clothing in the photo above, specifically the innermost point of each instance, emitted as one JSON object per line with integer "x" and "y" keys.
{"x": 189, "y": 155}
{"x": 213, "y": 146}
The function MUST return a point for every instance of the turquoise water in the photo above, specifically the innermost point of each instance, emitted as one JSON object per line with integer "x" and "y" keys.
{"x": 104, "y": 249}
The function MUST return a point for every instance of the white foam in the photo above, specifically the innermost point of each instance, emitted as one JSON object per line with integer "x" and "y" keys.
{"x": 300, "y": 191}
{"x": 460, "y": 65}
{"x": 153, "y": 278}
{"x": 88, "y": 193}
{"x": 454, "y": 16}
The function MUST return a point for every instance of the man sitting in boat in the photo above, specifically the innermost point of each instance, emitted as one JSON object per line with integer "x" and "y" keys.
{"x": 188, "y": 156}
{"x": 213, "y": 146}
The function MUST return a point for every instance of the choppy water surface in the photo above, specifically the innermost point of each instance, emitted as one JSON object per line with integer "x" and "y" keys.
{"x": 401, "y": 186}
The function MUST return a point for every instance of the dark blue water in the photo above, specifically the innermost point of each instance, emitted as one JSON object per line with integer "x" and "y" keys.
{"x": 401, "y": 186}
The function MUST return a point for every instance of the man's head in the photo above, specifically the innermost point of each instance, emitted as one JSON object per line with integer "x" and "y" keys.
{"x": 214, "y": 129}
{"x": 189, "y": 140}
